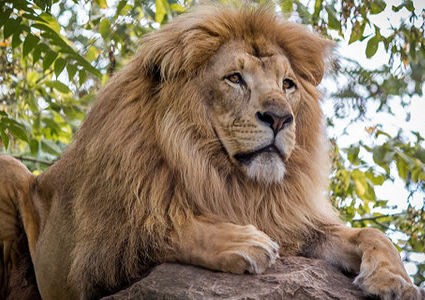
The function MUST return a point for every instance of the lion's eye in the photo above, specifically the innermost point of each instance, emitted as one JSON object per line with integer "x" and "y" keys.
{"x": 235, "y": 78}
{"x": 288, "y": 84}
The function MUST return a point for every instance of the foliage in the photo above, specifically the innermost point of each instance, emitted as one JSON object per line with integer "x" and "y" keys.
{"x": 54, "y": 55}
{"x": 353, "y": 183}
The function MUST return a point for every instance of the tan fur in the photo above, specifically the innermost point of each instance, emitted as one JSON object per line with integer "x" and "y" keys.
{"x": 16, "y": 211}
{"x": 153, "y": 174}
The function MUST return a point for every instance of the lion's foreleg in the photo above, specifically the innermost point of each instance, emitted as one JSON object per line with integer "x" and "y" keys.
{"x": 370, "y": 254}
{"x": 223, "y": 246}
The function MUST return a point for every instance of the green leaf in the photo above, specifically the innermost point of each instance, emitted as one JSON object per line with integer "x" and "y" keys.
{"x": 409, "y": 5}
{"x": 375, "y": 179}
{"x": 4, "y": 16}
{"x": 37, "y": 52}
{"x": 18, "y": 130}
{"x": 356, "y": 32}
{"x": 49, "y": 59}
{"x": 72, "y": 70}
{"x": 360, "y": 183}
{"x": 51, "y": 22}
{"x": 59, "y": 86}
{"x": 102, "y": 3}
{"x": 287, "y": 6}
{"x": 4, "y": 138}
{"x": 370, "y": 192}
{"x": 10, "y": 27}
{"x": 16, "y": 40}
{"x": 420, "y": 153}
{"x": 415, "y": 174}
{"x": 177, "y": 8}
{"x": 104, "y": 27}
{"x": 92, "y": 53}
{"x": 82, "y": 77}
{"x": 120, "y": 6}
{"x": 318, "y": 5}
{"x": 353, "y": 154}
{"x": 380, "y": 132}
{"x": 333, "y": 21}
{"x": 383, "y": 155}
{"x": 303, "y": 12}
{"x": 34, "y": 147}
{"x": 30, "y": 42}
{"x": 44, "y": 4}
{"x": 50, "y": 147}
{"x": 59, "y": 66}
{"x": 161, "y": 10}
{"x": 377, "y": 6}
{"x": 377, "y": 32}
{"x": 33, "y": 17}
{"x": 397, "y": 8}
{"x": 372, "y": 46}
{"x": 87, "y": 66}
{"x": 403, "y": 169}
{"x": 73, "y": 112}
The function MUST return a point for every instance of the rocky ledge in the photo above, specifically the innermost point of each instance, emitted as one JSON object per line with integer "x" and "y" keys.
{"x": 289, "y": 278}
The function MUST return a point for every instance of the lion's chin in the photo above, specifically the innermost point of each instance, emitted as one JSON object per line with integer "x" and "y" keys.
{"x": 267, "y": 167}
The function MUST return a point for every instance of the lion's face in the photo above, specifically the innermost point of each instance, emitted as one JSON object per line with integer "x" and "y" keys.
{"x": 252, "y": 94}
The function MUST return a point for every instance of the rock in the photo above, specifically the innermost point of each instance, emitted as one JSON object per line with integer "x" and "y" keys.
{"x": 289, "y": 278}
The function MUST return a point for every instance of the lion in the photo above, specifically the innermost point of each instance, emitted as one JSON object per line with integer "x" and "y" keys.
{"x": 208, "y": 149}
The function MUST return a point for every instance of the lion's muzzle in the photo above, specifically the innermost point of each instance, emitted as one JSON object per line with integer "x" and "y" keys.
{"x": 276, "y": 121}
{"x": 246, "y": 158}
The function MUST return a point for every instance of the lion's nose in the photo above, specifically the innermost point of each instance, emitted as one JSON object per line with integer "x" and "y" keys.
{"x": 275, "y": 121}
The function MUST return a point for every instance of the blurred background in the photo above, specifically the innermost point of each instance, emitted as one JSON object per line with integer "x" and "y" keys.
{"x": 55, "y": 55}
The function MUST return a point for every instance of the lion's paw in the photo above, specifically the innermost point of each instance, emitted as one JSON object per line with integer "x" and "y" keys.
{"x": 389, "y": 286}
{"x": 248, "y": 251}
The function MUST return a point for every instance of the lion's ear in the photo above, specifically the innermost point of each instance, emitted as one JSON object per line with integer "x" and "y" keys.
{"x": 306, "y": 51}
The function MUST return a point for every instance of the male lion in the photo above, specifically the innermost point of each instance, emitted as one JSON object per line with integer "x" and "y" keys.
{"x": 207, "y": 149}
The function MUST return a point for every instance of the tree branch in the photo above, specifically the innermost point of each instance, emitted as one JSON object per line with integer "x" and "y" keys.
{"x": 35, "y": 160}
{"x": 375, "y": 218}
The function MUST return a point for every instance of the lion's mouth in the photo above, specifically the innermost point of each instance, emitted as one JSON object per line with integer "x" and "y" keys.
{"x": 247, "y": 157}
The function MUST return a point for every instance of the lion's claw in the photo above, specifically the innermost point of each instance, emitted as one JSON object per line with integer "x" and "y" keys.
{"x": 250, "y": 252}
{"x": 390, "y": 287}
